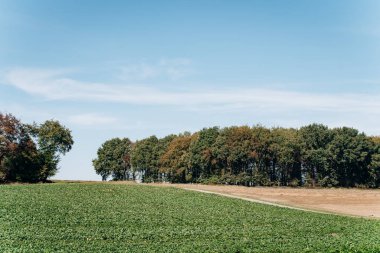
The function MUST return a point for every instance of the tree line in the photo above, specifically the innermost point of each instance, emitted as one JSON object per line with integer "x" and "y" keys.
{"x": 31, "y": 152}
{"x": 313, "y": 155}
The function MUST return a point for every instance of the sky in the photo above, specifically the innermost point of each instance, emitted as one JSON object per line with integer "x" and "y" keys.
{"x": 133, "y": 69}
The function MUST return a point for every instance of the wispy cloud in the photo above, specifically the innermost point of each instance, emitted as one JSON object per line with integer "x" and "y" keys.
{"x": 90, "y": 119}
{"x": 172, "y": 69}
{"x": 56, "y": 85}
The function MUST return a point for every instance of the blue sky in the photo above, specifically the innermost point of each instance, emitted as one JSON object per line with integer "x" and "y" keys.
{"x": 139, "y": 68}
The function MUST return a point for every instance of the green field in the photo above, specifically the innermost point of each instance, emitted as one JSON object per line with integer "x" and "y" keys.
{"x": 136, "y": 218}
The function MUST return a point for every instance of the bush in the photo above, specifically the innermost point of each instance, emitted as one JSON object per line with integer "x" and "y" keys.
{"x": 328, "y": 182}
{"x": 294, "y": 183}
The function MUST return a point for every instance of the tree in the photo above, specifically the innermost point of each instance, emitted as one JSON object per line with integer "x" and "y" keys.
{"x": 261, "y": 155}
{"x": 114, "y": 159}
{"x": 350, "y": 156}
{"x": 31, "y": 153}
{"x": 315, "y": 139}
{"x": 175, "y": 161}
{"x": 286, "y": 152}
{"x": 313, "y": 155}
{"x": 162, "y": 147}
{"x": 240, "y": 153}
{"x": 145, "y": 158}
{"x": 53, "y": 140}
{"x": 374, "y": 167}
{"x": 202, "y": 160}
{"x": 18, "y": 153}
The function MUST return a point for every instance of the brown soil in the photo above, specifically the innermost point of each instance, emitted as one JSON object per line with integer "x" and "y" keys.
{"x": 355, "y": 202}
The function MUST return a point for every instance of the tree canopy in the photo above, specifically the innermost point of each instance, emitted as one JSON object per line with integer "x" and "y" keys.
{"x": 52, "y": 140}
{"x": 314, "y": 155}
{"x": 114, "y": 159}
{"x": 31, "y": 153}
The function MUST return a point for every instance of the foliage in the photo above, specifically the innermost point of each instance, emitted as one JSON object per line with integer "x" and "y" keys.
{"x": 137, "y": 218}
{"x": 30, "y": 153}
{"x": 350, "y": 156}
{"x": 174, "y": 163}
{"x": 17, "y": 151}
{"x": 202, "y": 162}
{"x": 114, "y": 159}
{"x": 315, "y": 139}
{"x": 145, "y": 158}
{"x": 53, "y": 140}
{"x": 313, "y": 155}
{"x": 286, "y": 156}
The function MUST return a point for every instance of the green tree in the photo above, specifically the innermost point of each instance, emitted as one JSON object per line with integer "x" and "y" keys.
{"x": 350, "y": 156}
{"x": 261, "y": 156}
{"x": 374, "y": 167}
{"x": 315, "y": 139}
{"x": 286, "y": 156}
{"x": 144, "y": 158}
{"x": 114, "y": 159}
{"x": 162, "y": 147}
{"x": 53, "y": 140}
{"x": 313, "y": 155}
{"x": 202, "y": 160}
{"x": 241, "y": 153}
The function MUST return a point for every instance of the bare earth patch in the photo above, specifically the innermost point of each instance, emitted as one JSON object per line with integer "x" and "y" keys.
{"x": 356, "y": 202}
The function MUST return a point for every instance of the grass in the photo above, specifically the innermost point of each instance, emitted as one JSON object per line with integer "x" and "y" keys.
{"x": 136, "y": 218}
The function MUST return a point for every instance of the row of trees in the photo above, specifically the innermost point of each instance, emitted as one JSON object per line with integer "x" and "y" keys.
{"x": 313, "y": 155}
{"x": 31, "y": 153}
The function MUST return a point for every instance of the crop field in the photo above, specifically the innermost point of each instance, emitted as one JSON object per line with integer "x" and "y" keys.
{"x": 102, "y": 217}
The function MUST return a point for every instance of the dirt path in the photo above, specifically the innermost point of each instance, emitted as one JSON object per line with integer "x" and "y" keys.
{"x": 355, "y": 202}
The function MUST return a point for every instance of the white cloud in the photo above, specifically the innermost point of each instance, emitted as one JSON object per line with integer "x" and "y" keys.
{"x": 91, "y": 119}
{"x": 140, "y": 72}
{"x": 172, "y": 69}
{"x": 55, "y": 85}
